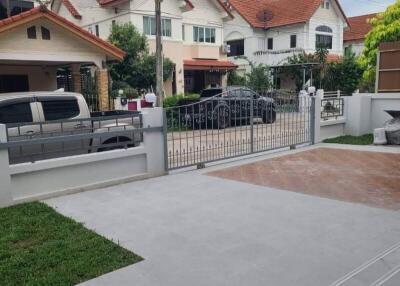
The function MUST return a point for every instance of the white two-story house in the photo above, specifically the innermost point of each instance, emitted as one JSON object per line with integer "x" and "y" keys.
{"x": 192, "y": 34}
{"x": 270, "y": 31}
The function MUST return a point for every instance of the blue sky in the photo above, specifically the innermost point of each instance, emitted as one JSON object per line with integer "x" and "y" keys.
{"x": 361, "y": 7}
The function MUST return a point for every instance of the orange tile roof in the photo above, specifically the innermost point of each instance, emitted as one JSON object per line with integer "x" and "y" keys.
{"x": 358, "y": 28}
{"x": 71, "y": 8}
{"x": 42, "y": 11}
{"x": 280, "y": 12}
{"x": 333, "y": 58}
{"x": 220, "y": 2}
{"x": 110, "y": 2}
{"x": 189, "y": 3}
{"x": 225, "y": 7}
{"x": 200, "y": 64}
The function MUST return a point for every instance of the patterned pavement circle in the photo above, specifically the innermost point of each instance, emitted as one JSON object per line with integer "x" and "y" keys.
{"x": 370, "y": 178}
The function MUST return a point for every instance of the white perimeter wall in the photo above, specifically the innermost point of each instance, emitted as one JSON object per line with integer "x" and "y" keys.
{"x": 49, "y": 178}
{"x": 367, "y": 111}
{"x": 362, "y": 114}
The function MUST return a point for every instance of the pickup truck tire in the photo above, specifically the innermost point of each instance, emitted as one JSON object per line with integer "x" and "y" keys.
{"x": 113, "y": 141}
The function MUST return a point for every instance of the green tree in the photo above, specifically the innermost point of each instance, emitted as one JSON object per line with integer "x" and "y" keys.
{"x": 127, "y": 38}
{"x": 145, "y": 72}
{"x": 138, "y": 69}
{"x": 235, "y": 79}
{"x": 259, "y": 77}
{"x": 385, "y": 28}
{"x": 344, "y": 75}
{"x": 322, "y": 57}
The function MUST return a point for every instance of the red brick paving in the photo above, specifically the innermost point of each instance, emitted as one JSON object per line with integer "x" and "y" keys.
{"x": 369, "y": 178}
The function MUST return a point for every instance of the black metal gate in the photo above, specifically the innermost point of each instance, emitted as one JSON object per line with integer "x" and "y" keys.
{"x": 236, "y": 123}
{"x": 88, "y": 86}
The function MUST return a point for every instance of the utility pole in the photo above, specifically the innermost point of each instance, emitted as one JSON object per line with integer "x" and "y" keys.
{"x": 159, "y": 56}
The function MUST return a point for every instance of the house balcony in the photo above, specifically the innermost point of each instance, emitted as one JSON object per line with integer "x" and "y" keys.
{"x": 276, "y": 57}
{"x": 279, "y": 57}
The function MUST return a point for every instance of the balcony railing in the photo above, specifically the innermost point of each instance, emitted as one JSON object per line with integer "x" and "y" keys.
{"x": 276, "y": 57}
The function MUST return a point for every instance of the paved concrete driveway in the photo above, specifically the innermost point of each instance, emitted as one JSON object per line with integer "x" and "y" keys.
{"x": 193, "y": 229}
{"x": 371, "y": 178}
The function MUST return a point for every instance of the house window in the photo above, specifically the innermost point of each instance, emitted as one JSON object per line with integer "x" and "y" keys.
{"x": 31, "y": 31}
{"x": 270, "y": 44}
{"x": 183, "y": 33}
{"x": 203, "y": 35}
{"x": 97, "y": 29}
{"x": 323, "y": 41}
{"x": 149, "y": 26}
{"x": 13, "y": 7}
{"x": 45, "y": 33}
{"x": 237, "y": 48}
{"x": 325, "y": 4}
{"x": 324, "y": 29}
{"x": 293, "y": 41}
{"x": 166, "y": 27}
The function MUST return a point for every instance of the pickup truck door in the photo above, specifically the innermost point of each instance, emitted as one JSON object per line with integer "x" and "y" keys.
{"x": 58, "y": 114}
{"x": 20, "y": 116}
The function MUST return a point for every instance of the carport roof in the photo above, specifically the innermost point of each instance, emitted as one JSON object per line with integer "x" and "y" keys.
{"x": 43, "y": 12}
{"x": 201, "y": 64}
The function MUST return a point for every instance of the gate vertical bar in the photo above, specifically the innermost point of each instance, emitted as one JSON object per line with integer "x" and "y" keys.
{"x": 251, "y": 125}
{"x": 165, "y": 131}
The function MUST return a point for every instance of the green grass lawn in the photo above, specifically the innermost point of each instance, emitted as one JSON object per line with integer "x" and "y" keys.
{"x": 39, "y": 246}
{"x": 367, "y": 139}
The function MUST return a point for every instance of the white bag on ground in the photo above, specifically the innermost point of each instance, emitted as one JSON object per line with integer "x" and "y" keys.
{"x": 380, "y": 136}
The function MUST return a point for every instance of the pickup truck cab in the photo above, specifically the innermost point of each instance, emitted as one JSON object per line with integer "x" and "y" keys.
{"x": 33, "y": 115}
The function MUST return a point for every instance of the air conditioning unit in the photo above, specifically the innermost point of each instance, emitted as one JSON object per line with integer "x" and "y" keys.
{"x": 226, "y": 49}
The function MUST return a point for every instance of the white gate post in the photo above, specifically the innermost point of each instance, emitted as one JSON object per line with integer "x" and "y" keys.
{"x": 5, "y": 179}
{"x": 154, "y": 141}
{"x": 317, "y": 116}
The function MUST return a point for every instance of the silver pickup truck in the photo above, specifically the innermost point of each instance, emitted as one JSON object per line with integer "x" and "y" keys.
{"x": 38, "y": 116}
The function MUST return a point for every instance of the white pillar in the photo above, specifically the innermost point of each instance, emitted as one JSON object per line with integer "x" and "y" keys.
{"x": 5, "y": 179}
{"x": 317, "y": 117}
{"x": 358, "y": 114}
{"x": 154, "y": 141}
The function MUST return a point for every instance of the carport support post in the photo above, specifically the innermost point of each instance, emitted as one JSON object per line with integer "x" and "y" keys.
{"x": 102, "y": 89}
{"x": 76, "y": 78}
{"x": 5, "y": 179}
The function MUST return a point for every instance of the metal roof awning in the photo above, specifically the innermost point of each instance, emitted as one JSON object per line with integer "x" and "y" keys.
{"x": 215, "y": 65}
